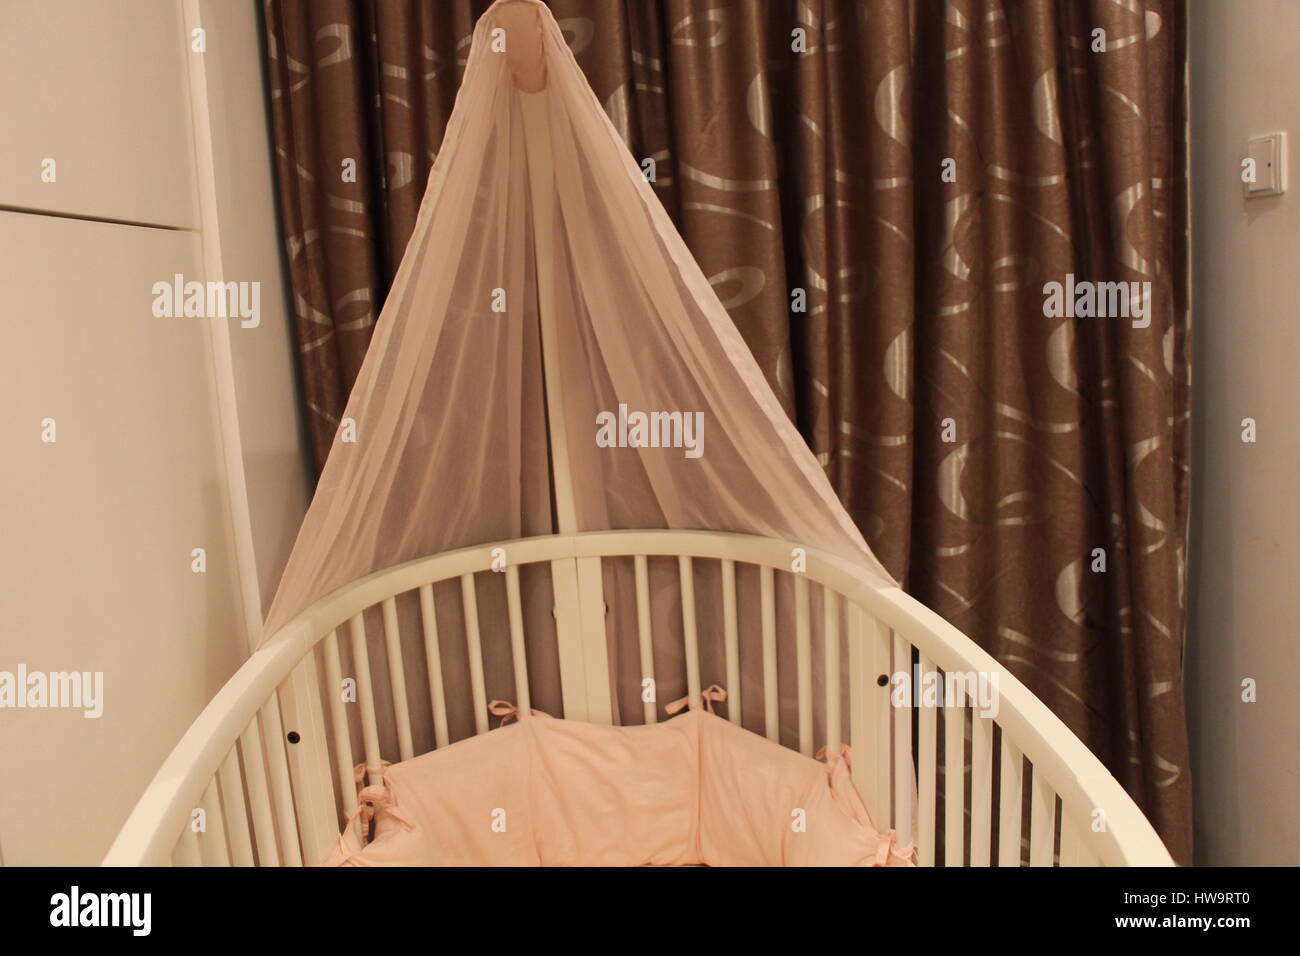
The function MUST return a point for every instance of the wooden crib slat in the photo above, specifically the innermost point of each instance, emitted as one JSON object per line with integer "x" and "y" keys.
{"x": 803, "y": 662}
{"x": 928, "y": 757}
{"x": 366, "y": 701}
{"x": 259, "y": 795}
{"x": 569, "y": 642}
{"x": 645, "y": 636}
{"x": 315, "y": 808}
{"x": 187, "y": 848}
{"x": 689, "y": 632}
{"x": 286, "y": 816}
{"x": 731, "y": 640}
{"x": 1071, "y": 838}
{"x": 339, "y": 723}
{"x": 869, "y": 645}
{"x": 771, "y": 707}
{"x": 517, "y": 652}
{"x": 469, "y": 600}
{"x": 901, "y": 720}
{"x": 433, "y": 664}
{"x": 212, "y": 842}
{"x": 1042, "y": 820}
{"x": 397, "y": 679}
{"x": 1009, "y": 803}
{"x": 981, "y": 789}
{"x": 831, "y": 652}
{"x": 231, "y": 785}
{"x": 591, "y": 616}
{"x": 954, "y": 777}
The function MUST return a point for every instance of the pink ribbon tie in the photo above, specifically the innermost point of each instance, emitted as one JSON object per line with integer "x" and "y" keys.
{"x": 713, "y": 692}
{"x": 508, "y": 711}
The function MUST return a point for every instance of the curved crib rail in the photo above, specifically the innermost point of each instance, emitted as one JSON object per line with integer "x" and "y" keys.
{"x": 1034, "y": 789}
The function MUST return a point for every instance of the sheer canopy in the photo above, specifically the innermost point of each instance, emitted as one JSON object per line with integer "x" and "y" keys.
{"x": 550, "y": 357}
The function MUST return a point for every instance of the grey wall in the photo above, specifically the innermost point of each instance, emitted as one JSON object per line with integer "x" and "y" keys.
{"x": 1244, "y": 589}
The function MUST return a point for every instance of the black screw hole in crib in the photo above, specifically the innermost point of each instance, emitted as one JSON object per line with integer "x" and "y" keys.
{"x": 293, "y": 737}
{"x": 882, "y": 680}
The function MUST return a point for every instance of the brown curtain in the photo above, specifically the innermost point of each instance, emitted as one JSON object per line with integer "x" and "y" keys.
{"x": 879, "y": 191}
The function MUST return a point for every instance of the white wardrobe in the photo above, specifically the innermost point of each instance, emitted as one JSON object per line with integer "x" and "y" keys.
{"x": 128, "y": 157}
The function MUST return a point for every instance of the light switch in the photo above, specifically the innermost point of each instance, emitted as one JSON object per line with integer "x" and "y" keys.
{"x": 1267, "y": 155}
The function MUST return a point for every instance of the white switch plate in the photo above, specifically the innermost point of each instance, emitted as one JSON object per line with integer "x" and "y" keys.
{"x": 1269, "y": 154}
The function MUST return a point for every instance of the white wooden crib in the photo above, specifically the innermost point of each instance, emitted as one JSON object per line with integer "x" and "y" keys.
{"x": 269, "y": 761}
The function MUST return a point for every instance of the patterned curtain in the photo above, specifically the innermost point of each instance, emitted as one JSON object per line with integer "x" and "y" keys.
{"x": 880, "y": 191}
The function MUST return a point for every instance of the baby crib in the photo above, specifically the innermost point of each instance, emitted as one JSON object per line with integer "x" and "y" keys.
{"x": 270, "y": 760}
{"x": 267, "y": 768}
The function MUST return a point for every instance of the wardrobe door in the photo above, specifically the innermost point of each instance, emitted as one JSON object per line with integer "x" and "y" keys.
{"x": 111, "y": 479}
{"x": 96, "y": 110}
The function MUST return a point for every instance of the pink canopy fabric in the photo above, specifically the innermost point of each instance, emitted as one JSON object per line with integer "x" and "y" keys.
{"x": 448, "y": 440}
{"x": 451, "y": 437}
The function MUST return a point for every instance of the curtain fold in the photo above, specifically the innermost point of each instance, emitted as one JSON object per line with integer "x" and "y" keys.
{"x": 879, "y": 192}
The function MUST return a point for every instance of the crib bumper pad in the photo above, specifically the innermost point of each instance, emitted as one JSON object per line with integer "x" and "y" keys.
{"x": 541, "y": 791}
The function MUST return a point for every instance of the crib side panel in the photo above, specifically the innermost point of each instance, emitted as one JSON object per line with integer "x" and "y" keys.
{"x": 614, "y": 627}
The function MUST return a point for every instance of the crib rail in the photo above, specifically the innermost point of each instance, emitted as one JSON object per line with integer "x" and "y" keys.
{"x": 265, "y": 775}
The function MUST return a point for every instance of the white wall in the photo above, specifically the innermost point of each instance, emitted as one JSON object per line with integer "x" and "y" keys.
{"x": 164, "y": 166}
{"x": 1244, "y": 604}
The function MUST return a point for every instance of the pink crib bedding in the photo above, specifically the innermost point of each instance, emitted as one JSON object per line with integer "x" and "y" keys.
{"x": 695, "y": 789}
